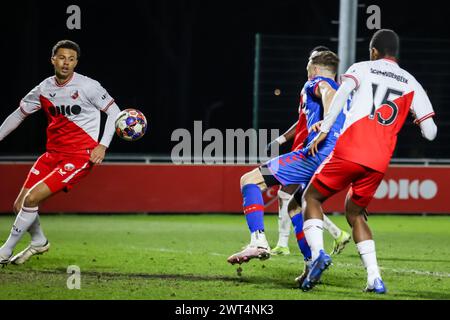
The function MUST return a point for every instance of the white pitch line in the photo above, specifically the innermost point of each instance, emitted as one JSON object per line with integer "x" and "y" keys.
{"x": 336, "y": 264}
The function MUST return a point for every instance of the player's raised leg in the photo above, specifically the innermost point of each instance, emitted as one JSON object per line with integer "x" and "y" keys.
{"x": 356, "y": 217}
{"x": 24, "y": 220}
{"x": 252, "y": 183}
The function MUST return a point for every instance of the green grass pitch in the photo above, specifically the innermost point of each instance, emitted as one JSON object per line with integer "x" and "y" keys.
{"x": 169, "y": 257}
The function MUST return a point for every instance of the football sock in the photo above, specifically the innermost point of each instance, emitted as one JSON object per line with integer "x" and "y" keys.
{"x": 37, "y": 234}
{"x": 258, "y": 239}
{"x": 253, "y": 207}
{"x": 331, "y": 227}
{"x": 313, "y": 229}
{"x": 23, "y": 221}
{"x": 284, "y": 221}
{"x": 297, "y": 221}
{"x": 368, "y": 256}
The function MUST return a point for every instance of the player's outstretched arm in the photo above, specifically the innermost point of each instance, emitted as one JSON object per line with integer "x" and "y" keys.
{"x": 290, "y": 133}
{"x": 285, "y": 137}
{"x": 98, "y": 154}
{"x": 11, "y": 123}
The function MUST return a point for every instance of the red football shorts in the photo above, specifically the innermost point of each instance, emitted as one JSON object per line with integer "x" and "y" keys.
{"x": 336, "y": 174}
{"x": 58, "y": 171}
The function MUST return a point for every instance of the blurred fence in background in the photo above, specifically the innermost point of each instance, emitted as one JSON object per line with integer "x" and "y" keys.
{"x": 280, "y": 73}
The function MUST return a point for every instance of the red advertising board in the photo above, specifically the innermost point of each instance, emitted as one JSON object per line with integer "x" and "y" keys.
{"x": 167, "y": 188}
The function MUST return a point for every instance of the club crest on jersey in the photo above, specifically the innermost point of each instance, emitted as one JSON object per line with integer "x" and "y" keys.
{"x": 74, "y": 94}
{"x": 69, "y": 167}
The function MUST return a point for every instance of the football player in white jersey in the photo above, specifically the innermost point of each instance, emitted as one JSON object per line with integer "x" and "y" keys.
{"x": 72, "y": 103}
{"x": 383, "y": 96}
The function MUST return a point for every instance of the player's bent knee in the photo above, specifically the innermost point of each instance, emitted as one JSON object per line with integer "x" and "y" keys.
{"x": 308, "y": 196}
{"x": 312, "y": 194}
{"x": 31, "y": 200}
{"x": 17, "y": 207}
{"x": 252, "y": 177}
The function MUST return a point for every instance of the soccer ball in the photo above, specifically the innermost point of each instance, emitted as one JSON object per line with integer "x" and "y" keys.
{"x": 131, "y": 124}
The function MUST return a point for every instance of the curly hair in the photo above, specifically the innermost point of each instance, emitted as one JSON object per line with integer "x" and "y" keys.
{"x": 66, "y": 44}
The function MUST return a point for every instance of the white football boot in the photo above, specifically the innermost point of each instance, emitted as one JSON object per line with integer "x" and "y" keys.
{"x": 29, "y": 251}
{"x": 250, "y": 252}
{"x": 4, "y": 260}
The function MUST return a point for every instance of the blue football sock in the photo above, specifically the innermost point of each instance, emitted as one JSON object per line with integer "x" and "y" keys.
{"x": 297, "y": 221}
{"x": 253, "y": 207}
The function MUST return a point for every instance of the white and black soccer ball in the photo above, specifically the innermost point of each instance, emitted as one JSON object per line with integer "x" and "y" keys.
{"x": 131, "y": 124}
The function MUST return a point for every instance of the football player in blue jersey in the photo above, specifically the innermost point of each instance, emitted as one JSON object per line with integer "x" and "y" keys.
{"x": 294, "y": 168}
{"x": 298, "y": 133}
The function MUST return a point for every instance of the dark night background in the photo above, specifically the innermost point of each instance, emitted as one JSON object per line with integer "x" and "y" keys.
{"x": 176, "y": 60}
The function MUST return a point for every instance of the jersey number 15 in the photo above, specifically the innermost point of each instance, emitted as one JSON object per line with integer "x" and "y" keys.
{"x": 386, "y": 102}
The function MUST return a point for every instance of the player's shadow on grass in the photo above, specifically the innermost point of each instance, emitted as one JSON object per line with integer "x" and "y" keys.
{"x": 186, "y": 277}
{"x": 267, "y": 281}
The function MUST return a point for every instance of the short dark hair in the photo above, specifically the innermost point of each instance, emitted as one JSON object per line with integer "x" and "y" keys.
{"x": 66, "y": 44}
{"x": 328, "y": 59}
{"x": 387, "y": 43}
{"x": 319, "y": 49}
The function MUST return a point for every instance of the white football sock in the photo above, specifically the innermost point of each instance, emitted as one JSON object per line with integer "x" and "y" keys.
{"x": 23, "y": 221}
{"x": 258, "y": 239}
{"x": 313, "y": 229}
{"x": 331, "y": 227}
{"x": 37, "y": 234}
{"x": 284, "y": 221}
{"x": 368, "y": 256}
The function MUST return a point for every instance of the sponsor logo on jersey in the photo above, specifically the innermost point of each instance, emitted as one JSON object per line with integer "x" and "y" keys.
{"x": 65, "y": 110}
{"x": 405, "y": 189}
{"x": 69, "y": 167}
{"x": 74, "y": 94}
